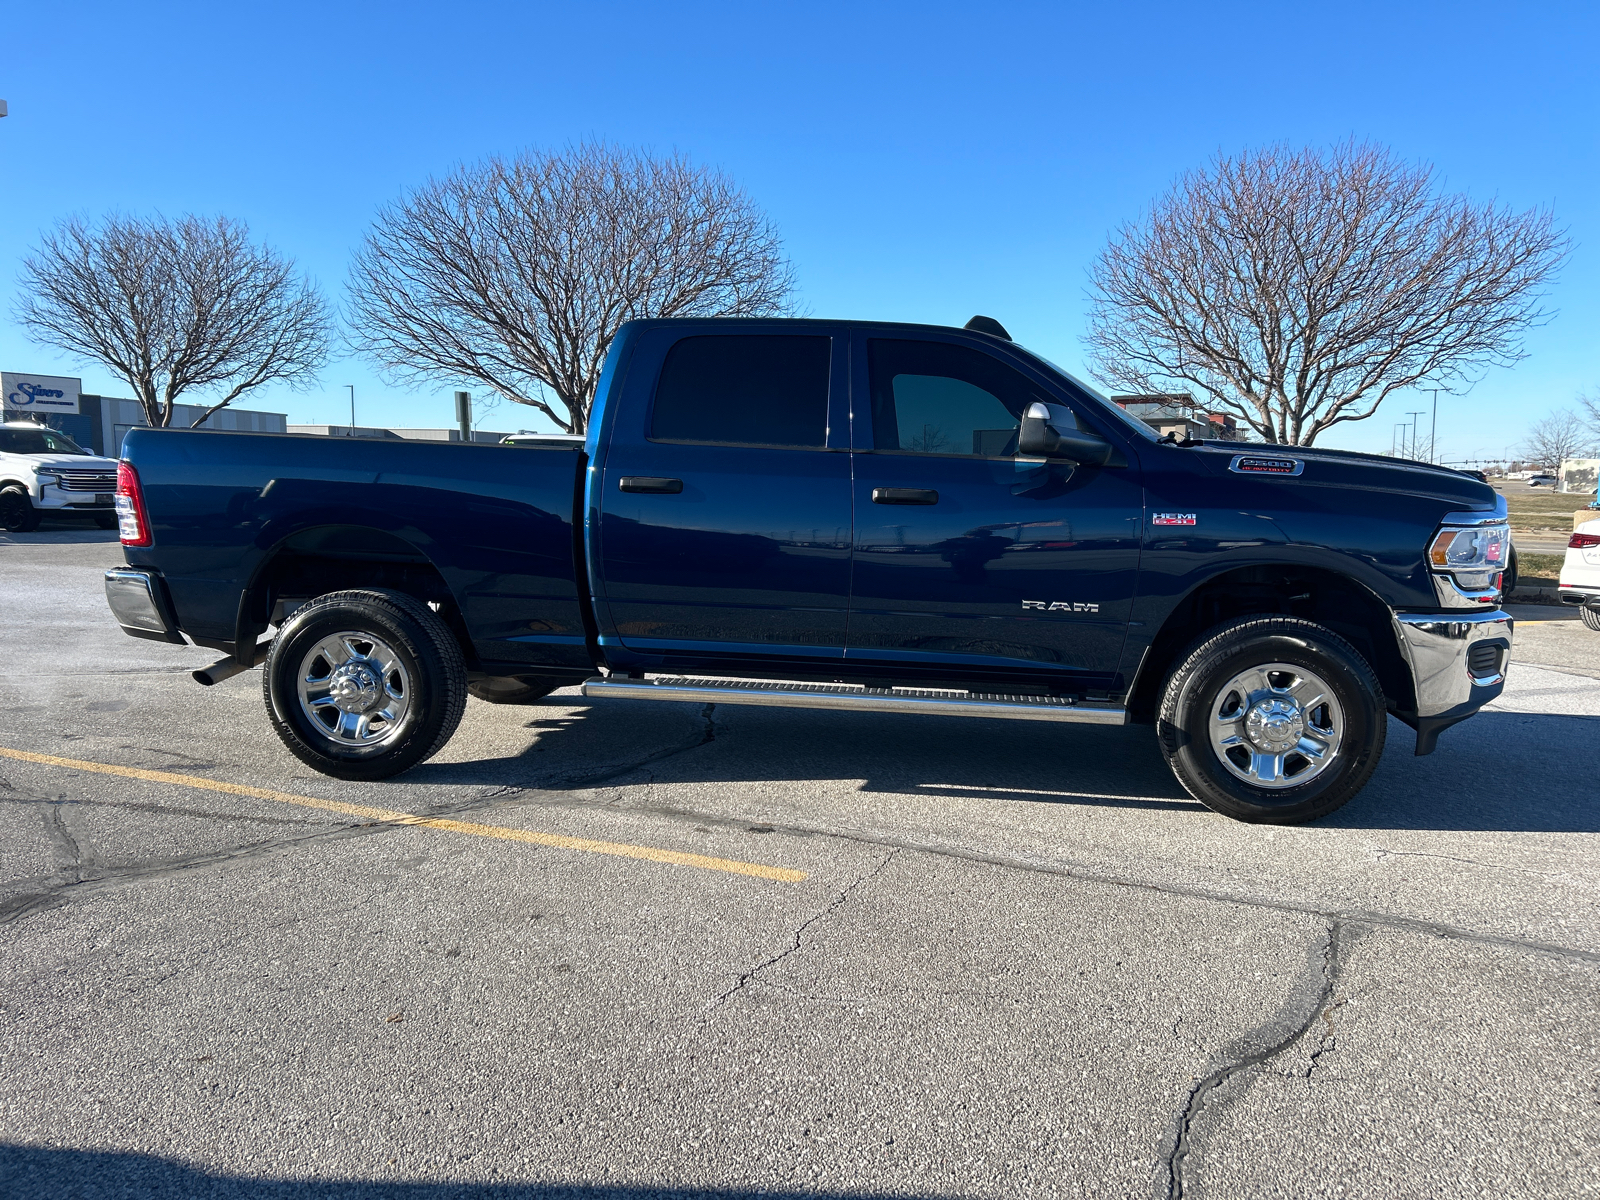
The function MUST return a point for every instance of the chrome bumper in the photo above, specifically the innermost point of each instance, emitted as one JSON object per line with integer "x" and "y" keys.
{"x": 1450, "y": 681}
{"x": 139, "y": 603}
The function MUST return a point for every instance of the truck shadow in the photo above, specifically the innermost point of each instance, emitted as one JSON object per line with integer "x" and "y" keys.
{"x": 46, "y": 1173}
{"x": 1502, "y": 771}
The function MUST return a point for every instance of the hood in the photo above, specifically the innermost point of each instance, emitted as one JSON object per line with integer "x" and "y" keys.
{"x": 69, "y": 462}
{"x": 1372, "y": 472}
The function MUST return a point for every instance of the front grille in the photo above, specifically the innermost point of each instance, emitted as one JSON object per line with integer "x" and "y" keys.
{"x": 1484, "y": 660}
{"x": 87, "y": 481}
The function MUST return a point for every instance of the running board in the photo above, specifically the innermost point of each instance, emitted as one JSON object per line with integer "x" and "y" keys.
{"x": 852, "y": 698}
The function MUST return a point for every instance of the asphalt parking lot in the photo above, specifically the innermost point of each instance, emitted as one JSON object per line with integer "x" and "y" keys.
{"x": 600, "y": 949}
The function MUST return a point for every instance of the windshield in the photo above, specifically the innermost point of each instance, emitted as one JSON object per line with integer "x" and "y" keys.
{"x": 1116, "y": 410}
{"x": 37, "y": 441}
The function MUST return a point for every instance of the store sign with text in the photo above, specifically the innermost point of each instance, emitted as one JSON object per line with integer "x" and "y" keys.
{"x": 24, "y": 393}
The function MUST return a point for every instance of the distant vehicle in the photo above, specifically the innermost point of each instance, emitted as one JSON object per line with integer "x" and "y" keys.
{"x": 840, "y": 515}
{"x": 44, "y": 472}
{"x": 1548, "y": 481}
{"x": 1580, "y": 573}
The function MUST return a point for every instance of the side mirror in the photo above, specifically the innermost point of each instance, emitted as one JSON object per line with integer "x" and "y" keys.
{"x": 1037, "y": 438}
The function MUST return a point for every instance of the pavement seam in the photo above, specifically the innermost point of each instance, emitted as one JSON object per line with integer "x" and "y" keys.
{"x": 748, "y": 977}
{"x": 1177, "y": 1157}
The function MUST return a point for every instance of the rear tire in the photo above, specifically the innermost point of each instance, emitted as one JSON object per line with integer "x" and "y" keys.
{"x": 1272, "y": 720}
{"x": 510, "y": 689}
{"x": 1591, "y": 617}
{"x": 17, "y": 513}
{"x": 364, "y": 684}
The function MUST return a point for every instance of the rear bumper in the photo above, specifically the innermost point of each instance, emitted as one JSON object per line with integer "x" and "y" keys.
{"x": 139, "y": 602}
{"x": 1583, "y": 596}
{"x": 1458, "y": 664}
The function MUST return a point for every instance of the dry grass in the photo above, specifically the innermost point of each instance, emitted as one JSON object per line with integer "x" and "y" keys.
{"x": 1538, "y": 570}
{"x": 1541, "y": 511}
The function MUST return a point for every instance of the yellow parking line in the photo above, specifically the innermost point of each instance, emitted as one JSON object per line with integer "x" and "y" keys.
{"x": 533, "y": 837}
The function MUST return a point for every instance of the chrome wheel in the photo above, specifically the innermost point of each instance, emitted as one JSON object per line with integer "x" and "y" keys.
{"x": 355, "y": 690}
{"x": 1276, "y": 725}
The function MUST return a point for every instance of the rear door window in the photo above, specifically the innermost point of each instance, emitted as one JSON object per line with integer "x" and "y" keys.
{"x": 744, "y": 391}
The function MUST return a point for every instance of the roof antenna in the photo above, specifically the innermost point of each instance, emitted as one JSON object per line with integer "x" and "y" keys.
{"x": 987, "y": 325}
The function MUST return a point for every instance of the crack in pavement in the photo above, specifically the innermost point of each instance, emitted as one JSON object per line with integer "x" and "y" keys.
{"x": 748, "y": 977}
{"x": 1325, "y": 977}
{"x": 63, "y": 840}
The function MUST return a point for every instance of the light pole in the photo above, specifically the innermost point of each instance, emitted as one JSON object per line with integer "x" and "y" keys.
{"x": 1394, "y": 440}
{"x": 1433, "y": 435}
{"x": 352, "y": 388}
{"x": 1414, "y": 416}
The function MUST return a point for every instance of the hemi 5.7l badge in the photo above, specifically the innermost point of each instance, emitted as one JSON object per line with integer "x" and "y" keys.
{"x": 1172, "y": 518}
{"x": 1060, "y": 606}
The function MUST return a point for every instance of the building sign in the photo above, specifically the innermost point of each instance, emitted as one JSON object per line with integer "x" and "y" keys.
{"x": 46, "y": 394}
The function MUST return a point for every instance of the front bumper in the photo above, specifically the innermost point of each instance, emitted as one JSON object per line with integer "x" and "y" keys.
{"x": 139, "y": 602}
{"x": 1458, "y": 664}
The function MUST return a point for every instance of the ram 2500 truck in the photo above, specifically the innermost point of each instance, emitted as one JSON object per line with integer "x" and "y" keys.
{"x": 849, "y": 515}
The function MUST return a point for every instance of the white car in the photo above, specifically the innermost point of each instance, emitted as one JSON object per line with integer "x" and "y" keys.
{"x": 1580, "y": 573}
{"x": 44, "y": 471}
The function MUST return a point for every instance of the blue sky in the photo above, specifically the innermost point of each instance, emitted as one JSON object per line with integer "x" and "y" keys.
{"x": 924, "y": 162}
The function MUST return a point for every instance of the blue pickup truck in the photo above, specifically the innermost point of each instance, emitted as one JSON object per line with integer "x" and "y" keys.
{"x": 837, "y": 514}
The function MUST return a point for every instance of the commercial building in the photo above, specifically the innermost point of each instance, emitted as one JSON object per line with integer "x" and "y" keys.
{"x": 414, "y": 435}
{"x": 99, "y": 423}
{"x": 1179, "y": 414}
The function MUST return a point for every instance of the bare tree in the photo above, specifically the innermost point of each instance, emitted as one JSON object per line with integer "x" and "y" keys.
{"x": 1561, "y": 435}
{"x": 516, "y": 273}
{"x": 1298, "y": 289}
{"x": 1591, "y": 408}
{"x": 174, "y": 306}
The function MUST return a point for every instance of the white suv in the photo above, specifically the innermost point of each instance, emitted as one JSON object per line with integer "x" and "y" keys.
{"x": 1580, "y": 573}
{"x": 44, "y": 471}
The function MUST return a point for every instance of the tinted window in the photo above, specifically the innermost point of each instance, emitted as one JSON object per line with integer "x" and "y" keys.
{"x": 936, "y": 398}
{"x": 764, "y": 391}
{"x": 37, "y": 441}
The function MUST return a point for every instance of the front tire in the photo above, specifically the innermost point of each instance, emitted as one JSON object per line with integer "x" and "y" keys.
{"x": 17, "y": 513}
{"x": 1274, "y": 720}
{"x": 364, "y": 684}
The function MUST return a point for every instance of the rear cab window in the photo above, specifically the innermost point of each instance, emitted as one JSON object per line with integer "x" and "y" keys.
{"x": 744, "y": 390}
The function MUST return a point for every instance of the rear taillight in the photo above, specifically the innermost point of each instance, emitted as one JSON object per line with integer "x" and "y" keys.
{"x": 132, "y": 523}
{"x": 1583, "y": 541}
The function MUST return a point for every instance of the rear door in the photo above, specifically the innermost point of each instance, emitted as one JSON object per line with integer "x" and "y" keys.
{"x": 967, "y": 558}
{"x": 724, "y": 525}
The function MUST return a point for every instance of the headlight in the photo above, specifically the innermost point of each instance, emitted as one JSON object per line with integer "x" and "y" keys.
{"x": 1473, "y": 557}
{"x": 46, "y": 479}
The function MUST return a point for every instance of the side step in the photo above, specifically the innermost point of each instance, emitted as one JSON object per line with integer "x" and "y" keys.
{"x": 853, "y": 698}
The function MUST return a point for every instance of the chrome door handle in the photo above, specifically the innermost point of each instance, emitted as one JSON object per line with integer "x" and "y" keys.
{"x": 650, "y": 483}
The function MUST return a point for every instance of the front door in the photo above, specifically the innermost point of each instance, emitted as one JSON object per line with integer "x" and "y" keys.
{"x": 724, "y": 508}
{"x": 967, "y": 558}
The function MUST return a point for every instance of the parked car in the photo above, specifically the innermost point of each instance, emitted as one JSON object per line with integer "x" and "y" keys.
{"x": 1548, "y": 481}
{"x": 43, "y": 471}
{"x": 1580, "y": 573}
{"x": 854, "y": 516}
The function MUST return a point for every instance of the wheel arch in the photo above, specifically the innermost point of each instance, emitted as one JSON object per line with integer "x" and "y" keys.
{"x": 336, "y": 556}
{"x": 1338, "y": 601}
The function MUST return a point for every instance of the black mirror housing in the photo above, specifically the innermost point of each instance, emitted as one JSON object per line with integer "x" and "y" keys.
{"x": 1037, "y": 438}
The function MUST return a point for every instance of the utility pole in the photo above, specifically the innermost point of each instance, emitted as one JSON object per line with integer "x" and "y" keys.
{"x": 464, "y": 414}
{"x": 1433, "y": 437}
{"x": 352, "y": 388}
